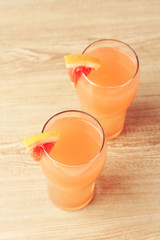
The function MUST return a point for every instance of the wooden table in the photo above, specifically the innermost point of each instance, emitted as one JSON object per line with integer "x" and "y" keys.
{"x": 34, "y": 85}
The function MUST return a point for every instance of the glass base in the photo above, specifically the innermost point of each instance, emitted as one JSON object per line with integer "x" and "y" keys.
{"x": 71, "y": 200}
{"x": 76, "y": 208}
{"x": 112, "y": 124}
{"x": 115, "y": 135}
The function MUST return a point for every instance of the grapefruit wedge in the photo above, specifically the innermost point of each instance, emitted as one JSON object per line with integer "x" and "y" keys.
{"x": 38, "y": 143}
{"x": 78, "y": 64}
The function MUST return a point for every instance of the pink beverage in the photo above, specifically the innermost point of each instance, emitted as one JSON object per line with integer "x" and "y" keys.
{"x": 76, "y": 160}
{"x": 108, "y": 92}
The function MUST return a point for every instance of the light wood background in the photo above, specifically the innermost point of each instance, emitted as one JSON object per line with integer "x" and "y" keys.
{"x": 34, "y": 85}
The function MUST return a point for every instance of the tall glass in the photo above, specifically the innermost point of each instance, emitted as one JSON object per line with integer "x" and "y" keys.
{"x": 108, "y": 104}
{"x": 71, "y": 186}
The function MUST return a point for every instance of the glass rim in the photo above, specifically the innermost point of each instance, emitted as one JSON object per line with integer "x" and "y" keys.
{"x": 121, "y": 42}
{"x": 73, "y": 111}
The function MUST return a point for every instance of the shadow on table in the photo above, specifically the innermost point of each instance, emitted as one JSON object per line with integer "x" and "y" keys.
{"x": 107, "y": 186}
{"x": 142, "y": 115}
{"x": 116, "y": 189}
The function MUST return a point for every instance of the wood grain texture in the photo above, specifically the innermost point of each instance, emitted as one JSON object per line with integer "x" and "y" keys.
{"x": 35, "y": 35}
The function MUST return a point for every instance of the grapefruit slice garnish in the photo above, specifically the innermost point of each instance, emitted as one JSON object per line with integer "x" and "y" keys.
{"x": 37, "y": 143}
{"x": 78, "y": 64}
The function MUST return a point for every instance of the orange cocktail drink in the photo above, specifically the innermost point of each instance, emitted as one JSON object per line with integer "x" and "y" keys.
{"x": 76, "y": 160}
{"x": 106, "y": 93}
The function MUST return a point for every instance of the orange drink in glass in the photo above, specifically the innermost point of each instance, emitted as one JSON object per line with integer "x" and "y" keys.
{"x": 107, "y": 93}
{"x": 76, "y": 160}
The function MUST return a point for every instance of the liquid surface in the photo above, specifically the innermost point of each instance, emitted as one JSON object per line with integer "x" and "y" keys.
{"x": 116, "y": 68}
{"x": 79, "y": 141}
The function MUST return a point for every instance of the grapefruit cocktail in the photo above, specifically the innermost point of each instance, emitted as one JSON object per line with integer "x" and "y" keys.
{"x": 108, "y": 89}
{"x": 72, "y": 158}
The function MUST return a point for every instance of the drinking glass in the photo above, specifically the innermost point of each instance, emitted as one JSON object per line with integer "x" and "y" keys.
{"x": 108, "y": 104}
{"x": 71, "y": 186}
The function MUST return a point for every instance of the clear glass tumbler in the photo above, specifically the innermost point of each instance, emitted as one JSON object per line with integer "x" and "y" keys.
{"x": 108, "y": 104}
{"x": 71, "y": 186}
